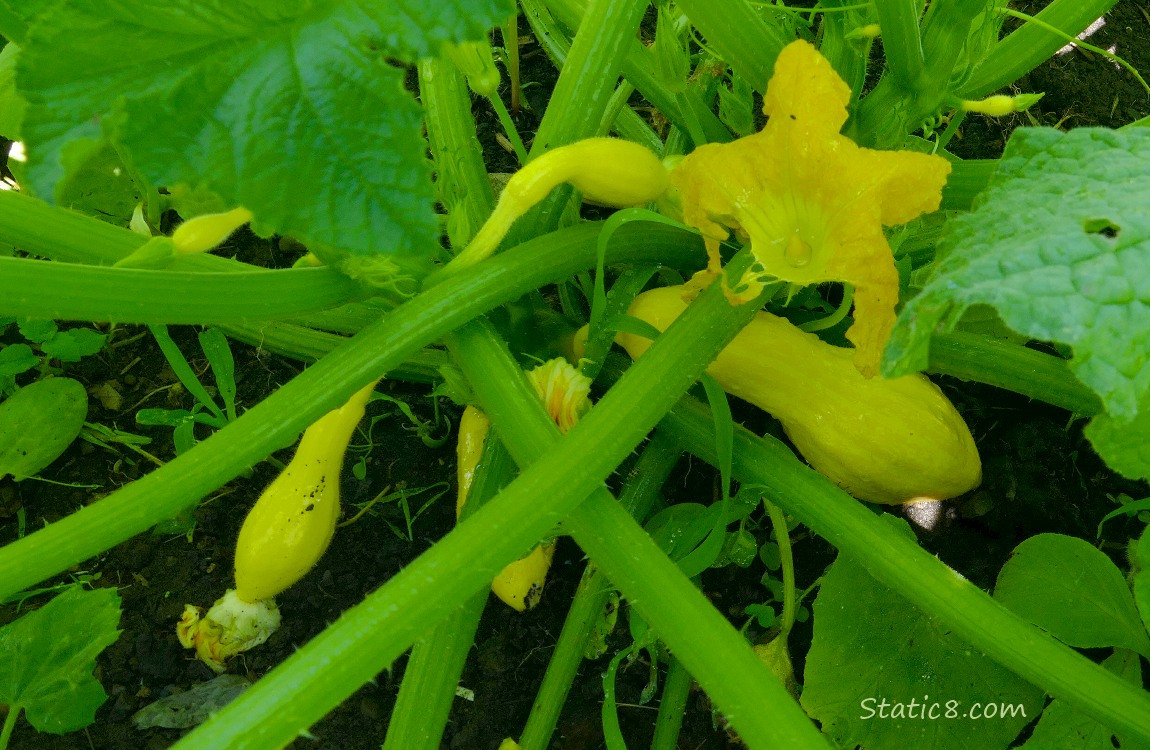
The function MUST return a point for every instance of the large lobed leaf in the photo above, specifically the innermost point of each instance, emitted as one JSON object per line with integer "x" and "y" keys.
{"x": 289, "y": 108}
{"x": 1059, "y": 244}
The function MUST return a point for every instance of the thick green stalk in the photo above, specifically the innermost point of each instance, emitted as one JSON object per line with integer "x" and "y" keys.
{"x": 1016, "y": 368}
{"x": 1026, "y": 48}
{"x": 946, "y": 30}
{"x": 901, "y": 44}
{"x": 714, "y": 652}
{"x": 462, "y": 181}
{"x": 277, "y": 421}
{"x": 510, "y": 33}
{"x": 430, "y": 678}
{"x": 672, "y": 706}
{"x": 739, "y": 34}
{"x": 307, "y": 345}
{"x": 436, "y": 661}
{"x": 72, "y": 237}
{"x": 580, "y": 98}
{"x": 890, "y": 110}
{"x": 369, "y": 636}
{"x": 638, "y": 71}
{"x": 70, "y": 291}
{"x": 900, "y": 564}
{"x": 642, "y": 488}
{"x": 9, "y": 725}
{"x": 586, "y": 610}
{"x": 555, "y": 43}
{"x": 62, "y": 235}
{"x": 588, "y": 77}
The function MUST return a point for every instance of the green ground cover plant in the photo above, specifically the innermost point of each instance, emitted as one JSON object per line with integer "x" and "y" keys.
{"x": 763, "y": 156}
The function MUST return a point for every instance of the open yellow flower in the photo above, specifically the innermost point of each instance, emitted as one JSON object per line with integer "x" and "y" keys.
{"x": 810, "y": 201}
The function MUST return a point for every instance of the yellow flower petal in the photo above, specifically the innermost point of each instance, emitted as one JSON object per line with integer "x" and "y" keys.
{"x": 564, "y": 390}
{"x": 811, "y": 203}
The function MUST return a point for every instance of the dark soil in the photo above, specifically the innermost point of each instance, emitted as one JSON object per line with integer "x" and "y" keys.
{"x": 1040, "y": 475}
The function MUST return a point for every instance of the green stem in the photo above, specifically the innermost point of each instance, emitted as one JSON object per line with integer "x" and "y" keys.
{"x": 900, "y": 564}
{"x": 556, "y": 44}
{"x": 587, "y": 80}
{"x": 1028, "y": 47}
{"x": 80, "y": 292}
{"x": 887, "y": 113}
{"x": 436, "y": 662}
{"x": 952, "y": 128}
{"x": 715, "y": 653}
{"x": 901, "y": 44}
{"x": 945, "y": 32}
{"x": 463, "y": 184}
{"x": 1016, "y": 368}
{"x": 586, "y": 610}
{"x": 64, "y": 235}
{"x": 1080, "y": 43}
{"x": 739, "y": 34}
{"x": 510, "y": 33}
{"x": 308, "y": 345}
{"x": 278, "y": 420}
{"x": 9, "y": 726}
{"x": 639, "y": 495}
{"x": 580, "y": 97}
{"x": 783, "y": 537}
{"x": 638, "y": 71}
{"x": 430, "y": 678}
{"x": 672, "y": 706}
{"x": 615, "y": 105}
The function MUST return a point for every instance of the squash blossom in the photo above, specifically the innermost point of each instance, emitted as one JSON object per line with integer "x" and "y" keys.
{"x": 811, "y": 203}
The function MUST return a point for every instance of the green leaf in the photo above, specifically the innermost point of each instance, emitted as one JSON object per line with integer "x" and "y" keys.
{"x": 47, "y": 657}
{"x": 1124, "y": 445}
{"x": 99, "y": 186}
{"x": 1140, "y": 562}
{"x": 737, "y": 106}
{"x": 74, "y": 344}
{"x": 17, "y": 14}
{"x": 605, "y": 621}
{"x": 11, "y": 103}
{"x": 219, "y": 354}
{"x": 1129, "y": 507}
{"x": 1059, "y": 244}
{"x": 37, "y": 331}
{"x": 290, "y": 109}
{"x": 1064, "y": 728}
{"x": 870, "y": 645}
{"x": 38, "y": 423}
{"x": 17, "y": 358}
{"x": 1067, "y": 587}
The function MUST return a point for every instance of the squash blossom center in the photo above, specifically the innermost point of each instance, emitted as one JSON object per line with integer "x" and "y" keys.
{"x": 810, "y": 202}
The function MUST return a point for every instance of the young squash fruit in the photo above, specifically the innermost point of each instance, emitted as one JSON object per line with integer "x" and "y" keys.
{"x": 884, "y": 441}
{"x": 608, "y": 171}
{"x": 282, "y": 538}
{"x": 203, "y": 233}
{"x": 565, "y": 395}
